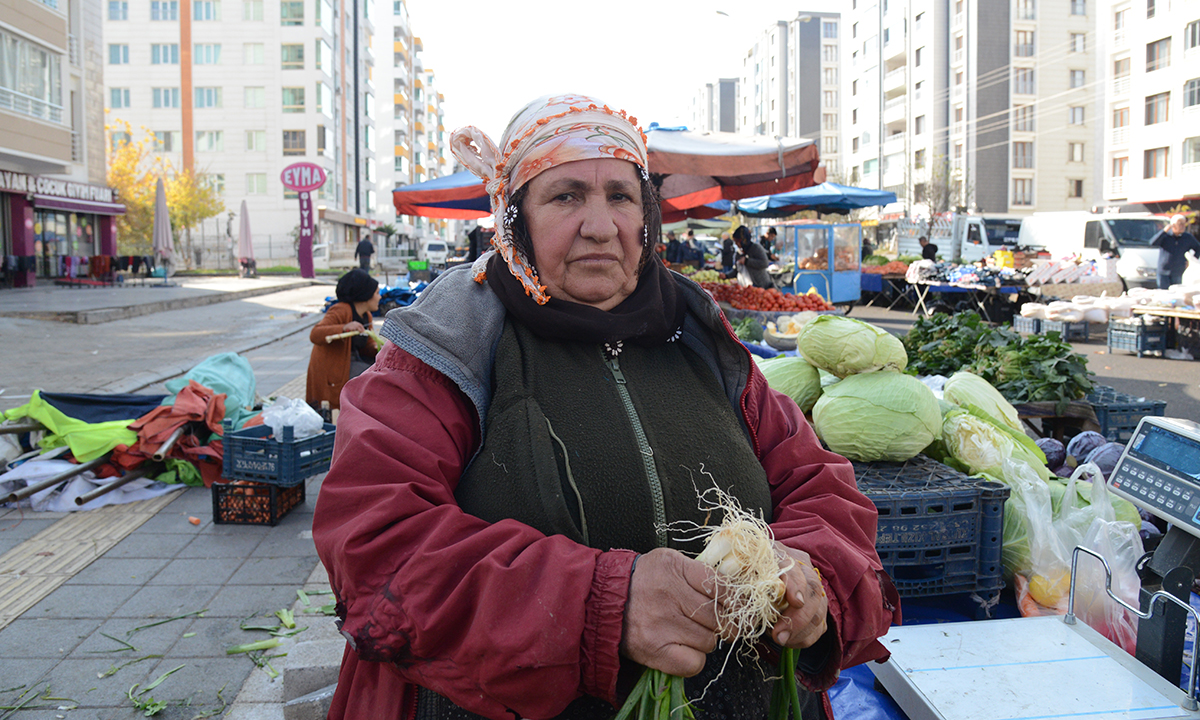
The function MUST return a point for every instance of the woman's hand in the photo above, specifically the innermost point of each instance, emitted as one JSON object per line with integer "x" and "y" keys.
{"x": 803, "y": 621}
{"x": 353, "y": 325}
{"x": 670, "y": 617}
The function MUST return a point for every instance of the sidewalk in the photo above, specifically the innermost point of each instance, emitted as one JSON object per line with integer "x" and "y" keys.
{"x": 95, "y": 602}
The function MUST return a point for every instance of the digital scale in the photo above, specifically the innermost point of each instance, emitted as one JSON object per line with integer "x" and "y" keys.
{"x": 1044, "y": 668}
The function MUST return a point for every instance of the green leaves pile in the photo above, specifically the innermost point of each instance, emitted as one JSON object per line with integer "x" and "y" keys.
{"x": 748, "y": 329}
{"x": 1037, "y": 368}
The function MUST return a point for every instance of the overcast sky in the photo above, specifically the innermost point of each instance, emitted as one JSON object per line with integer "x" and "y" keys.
{"x": 647, "y": 57}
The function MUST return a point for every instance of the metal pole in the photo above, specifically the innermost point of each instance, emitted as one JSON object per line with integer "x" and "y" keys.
{"x": 51, "y": 482}
{"x": 20, "y": 428}
{"x": 165, "y": 448}
{"x": 128, "y": 477}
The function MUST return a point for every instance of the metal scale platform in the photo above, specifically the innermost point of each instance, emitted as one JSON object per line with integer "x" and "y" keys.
{"x": 1057, "y": 667}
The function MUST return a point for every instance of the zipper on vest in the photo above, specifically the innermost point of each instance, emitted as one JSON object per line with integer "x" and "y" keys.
{"x": 656, "y": 490}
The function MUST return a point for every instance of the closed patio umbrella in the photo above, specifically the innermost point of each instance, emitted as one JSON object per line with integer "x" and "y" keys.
{"x": 245, "y": 246}
{"x": 163, "y": 244}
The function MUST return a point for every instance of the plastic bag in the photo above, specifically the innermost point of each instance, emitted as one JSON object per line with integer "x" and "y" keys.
{"x": 305, "y": 421}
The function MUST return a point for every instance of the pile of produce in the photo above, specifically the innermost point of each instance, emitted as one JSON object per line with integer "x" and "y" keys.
{"x": 706, "y": 276}
{"x": 748, "y": 329}
{"x": 1086, "y": 447}
{"x": 895, "y": 267}
{"x": 772, "y": 300}
{"x": 1036, "y": 368}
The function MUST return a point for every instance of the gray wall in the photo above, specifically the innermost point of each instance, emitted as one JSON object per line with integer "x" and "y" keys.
{"x": 992, "y": 38}
{"x": 808, "y": 78}
{"x": 726, "y": 105}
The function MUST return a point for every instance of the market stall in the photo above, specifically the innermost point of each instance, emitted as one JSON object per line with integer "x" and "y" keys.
{"x": 808, "y": 250}
{"x": 981, "y": 296}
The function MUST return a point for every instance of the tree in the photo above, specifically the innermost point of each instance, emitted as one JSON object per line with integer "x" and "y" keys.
{"x": 190, "y": 199}
{"x": 941, "y": 188}
{"x": 129, "y": 165}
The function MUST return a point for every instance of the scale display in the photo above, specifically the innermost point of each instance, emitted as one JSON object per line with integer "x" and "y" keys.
{"x": 1160, "y": 471}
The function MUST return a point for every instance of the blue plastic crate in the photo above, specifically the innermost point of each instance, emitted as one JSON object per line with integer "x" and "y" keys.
{"x": 1118, "y": 414}
{"x": 1136, "y": 335}
{"x": 1069, "y": 331}
{"x": 940, "y": 532}
{"x": 252, "y": 454}
{"x": 1028, "y": 326}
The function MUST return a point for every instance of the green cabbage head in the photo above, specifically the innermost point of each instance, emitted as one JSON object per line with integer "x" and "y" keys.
{"x": 878, "y": 416}
{"x": 794, "y": 377}
{"x": 844, "y": 346}
{"x": 975, "y": 443}
{"x": 964, "y": 388}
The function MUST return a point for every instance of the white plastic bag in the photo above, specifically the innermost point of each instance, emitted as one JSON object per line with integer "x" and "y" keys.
{"x": 305, "y": 421}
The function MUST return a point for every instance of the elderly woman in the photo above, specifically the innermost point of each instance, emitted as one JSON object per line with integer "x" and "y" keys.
{"x": 332, "y": 364}
{"x": 495, "y": 520}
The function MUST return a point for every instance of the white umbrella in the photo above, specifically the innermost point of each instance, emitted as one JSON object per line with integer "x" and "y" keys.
{"x": 245, "y": 248}
{"x": 163, "y": 244}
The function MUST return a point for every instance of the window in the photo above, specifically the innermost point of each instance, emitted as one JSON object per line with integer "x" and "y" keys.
{"x": 292, "y": 56}
{"x": 256, "y": 97}
{"x": 1023, "y": 118}
{"x": 1074, "y": 188}
{"x": 164, "y": 54}
{"x": 1121, "y": 68}
{"x": 1077, "y": 78}
{"x": 958, "y": 153}
{"x": 1024, "y": 47}
{"x": 206, "y": 53}
{"x": 216, "y": 181}
{"x": 120, "y": 138}
{"x": 1022, "y": 191}
{"x": 118, "y": 98}
{"x": 829, "y": 121}
{"x": 1023, "y": 81}
{"x": 1158, "y": 54}
{"x": 854, "y": 145}
{"x": 1075, "y": 152}
{"x": 291, "y": 12}
{"x": 1026, "y": 10}
{"x": 321, "y": 144}
{"x": 256, "y": 140}
{"x": 828, "y": 29}
{"x": 293, "y": 99}
{"x": 917, "y": 57}
{"x": 1191, "y": 35}
{"x": 206, "y": 10}
{"x": 256, "y": 183}
{"x": 919, "y": 159}
{"x": 1158, "y": 108}
{"x": 210, "y": 141}
{"x": 1119, "y": 19}
{"x": 829, "y": 145}
{"x": 854, "y": 116}
{"x": 1191, "y": 151}
{"x": 293, "y": 142}
{"x": 1154, "y": 164}
{"x": 1078, "y": 42}
{"x": 118, "y": 10}
{"x": 1075, "y": 115}
{"x": 208, "y": 97}
{"x": 1120, "y": 117}
{"x": 1149, "y": 8}
{"x": 1079, "y": 7}
{"x": 325, "y": 16}
{"x": 164, "y": 97}
{"x": 324, "y": 59}
{"x": 252, "y": 53}
{"x": 1023, "y": 155}
{"x": 252, "y": 10}
{"x": 830, "y": 76}
{"x": 854, "y": 87}
{"x": 167, "y": 141}
{"x": 1119, "y": 166}
{"x": 869, "y": 166}
{"x": 325, "y": 99}
{"x": 118, "y": 54}
{"x": 1191, "y": 93}
{"x": 164, "y": 10}
{"x": 830, "y": 96}
{"x": 919, "y": 125}
{"x": 829, "y": 53}
{"x": 958, "y": 114}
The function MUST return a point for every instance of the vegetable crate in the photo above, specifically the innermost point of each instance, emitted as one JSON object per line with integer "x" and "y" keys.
{"x": 251, "y": 454}
{"x": 939, "y": 530}
{"x": 1028, "y": 326}
{"x": 1068, "y": 331}
{"x": 252, "y": 503}
{"x": 1118, "y": 413}
{"x": 1136, "y": 335}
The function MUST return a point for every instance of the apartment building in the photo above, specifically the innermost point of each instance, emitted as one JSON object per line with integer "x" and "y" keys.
{"x": 982, "y": 104}
{"x": 55, "y": 210}
{"x": 791, "y": 83}
{"x": 237, "y": 91}
{"x": 1149, "y": 59}
{"x": 714, "y": 107}
{"x": 411, "y": 123}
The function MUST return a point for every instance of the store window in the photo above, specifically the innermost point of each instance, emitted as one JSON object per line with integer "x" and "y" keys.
{"x": 60, "y": 240}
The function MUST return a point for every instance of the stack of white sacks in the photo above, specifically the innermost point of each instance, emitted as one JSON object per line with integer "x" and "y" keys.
{"x": 1084, "y": 308}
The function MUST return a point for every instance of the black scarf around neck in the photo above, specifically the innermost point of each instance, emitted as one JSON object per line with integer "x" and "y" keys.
{"x": 651, "y": 315}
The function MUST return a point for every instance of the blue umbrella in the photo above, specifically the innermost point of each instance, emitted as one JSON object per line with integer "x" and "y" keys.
{"x": 826, "y": 197}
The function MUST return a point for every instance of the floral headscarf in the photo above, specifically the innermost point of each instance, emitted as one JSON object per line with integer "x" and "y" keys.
{"x": 548, "y": 132}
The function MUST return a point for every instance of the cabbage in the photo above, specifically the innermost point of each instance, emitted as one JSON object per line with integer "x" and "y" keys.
{"x": 794, "y": 377}
{"x": 1056, "y": 453}
{"x": 1084, "y": 443}
{"x": 1106, "y": 456}
{"x": 964, "y": 388}
{"x": 844, "y": 346}
{"x": 877, "y": 416}
{"x": 975, "y": 443}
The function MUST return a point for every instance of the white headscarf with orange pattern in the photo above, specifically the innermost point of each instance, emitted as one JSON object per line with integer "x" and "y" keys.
{"x": 550, "y": 131}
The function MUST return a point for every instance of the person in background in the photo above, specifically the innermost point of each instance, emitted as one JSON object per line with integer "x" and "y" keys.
{"x": 768, "y": 243}
{"x": 495, "y": 522}
{"x": 1173, "y": 243}
{"x": 674, "y": 248}
{"x": 728, "y": 256}
{"x": 928, "y": 250}
{"x": 753, "y": 258}
{"x": 364, "y": 251}
{"x": 334, "y": 363}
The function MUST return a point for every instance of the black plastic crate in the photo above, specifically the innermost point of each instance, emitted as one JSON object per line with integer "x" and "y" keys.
{"x": 1028, "y": 326}
{"x": 1136, "y": 335}
{"x": 252, "y": 503}
{"x": 1069, "y": 331}
{"x": 940, "y": 532}
{"x": 252, "y": 454}
{"x": 1118, "y": 414}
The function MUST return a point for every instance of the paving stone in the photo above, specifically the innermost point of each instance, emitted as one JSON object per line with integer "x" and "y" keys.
{"x": 201, "y": 679}
{"x": 43, "y": 638}
{"x": 313, "y": 706}
{"x": 154, "y": 640}
{"x": 118, "y": 571}
{"x": 79, "y": 681}
{"x": 240, "y": 601}
{"x": 214, "y": 635}
{"x": 16, "y": 527}
{"x": 149, "y": 545}
{"x": 291, "y": 571}
{"x": 159, "y": 602}
{"x": 290, "y": 542}
{"x": 81, "y": 601}
{"x": 188, "y": 571}
{"x": 223, "y": 541}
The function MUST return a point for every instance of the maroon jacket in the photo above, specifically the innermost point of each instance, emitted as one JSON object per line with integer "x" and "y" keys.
{"x": 500, "y": 618}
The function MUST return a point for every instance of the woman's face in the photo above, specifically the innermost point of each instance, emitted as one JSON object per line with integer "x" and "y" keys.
{"x": 373, "y": 303}
{"x": 585, "y": 221}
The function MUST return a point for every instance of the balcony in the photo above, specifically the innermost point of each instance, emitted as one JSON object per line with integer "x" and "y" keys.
{"x": 894, "y": 143}
{"x": 76, "y": 147}
{"x": 895, "y": 110}
{"x": 400, "y": 100}
{"x": 1120, "y": 135}
{"x": 73, "y": 50}
{"x": 419, "y": 126}
{"x": 432, "y": 147}
{"x": 31, "y": 106}
{"x": 958, "y": 57}
{"x": 1116, "y": 186}
{"x": 1120, "y": 85}
{"x": 895, "y": 80}
{"x": 1119, "y": 39}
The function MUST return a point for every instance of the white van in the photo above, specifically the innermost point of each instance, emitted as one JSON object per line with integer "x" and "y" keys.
{"x": 434, "y": 251}
{"x": 961, "y": 237}
{"x": 1092, "y": 235}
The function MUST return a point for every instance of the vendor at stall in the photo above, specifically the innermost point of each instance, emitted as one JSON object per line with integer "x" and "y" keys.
{"x": 1174, "y": 243}
{"x": 333, "y": 363}
{"x": 753, "y": 257}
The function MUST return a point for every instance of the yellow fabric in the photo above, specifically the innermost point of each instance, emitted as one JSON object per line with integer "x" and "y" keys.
{"x": 87, "y": 441}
